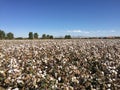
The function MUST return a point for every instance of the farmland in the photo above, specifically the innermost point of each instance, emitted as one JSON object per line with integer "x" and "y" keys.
{"x": 71, "y": 64}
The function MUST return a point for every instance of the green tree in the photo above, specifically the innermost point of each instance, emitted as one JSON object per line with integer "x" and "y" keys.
{"x": 48, "y": 36}
{"x": 67, "y": 37}
{"x": 30, "y": 35}
{"x": 36, "y": 35}
{"x": 51, "y": 36}
{"x": 10, "y": 35}
{"x": 19, "y": 38}
{"x": 2, "y": 34}
{"x": 43, "y": 36}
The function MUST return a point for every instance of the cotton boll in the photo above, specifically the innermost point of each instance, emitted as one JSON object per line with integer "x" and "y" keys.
{"x": 10, "y": 71}
{"x": 109, "y": 85}
{"x": 19, "y": 81}
{"x": 46, "y": 67}
{"x": 2, "y": 72}
{"x": 15, "y": 89}
{"x": 1, "y": 55}
{"x": 9, "y": 88}
{"x": 59, "y": 78}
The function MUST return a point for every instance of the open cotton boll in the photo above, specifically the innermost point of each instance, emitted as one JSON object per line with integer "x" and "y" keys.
{"x": 15, "y": 89}
{"x": 1, "y": 55}
{"x": 1, "y": 71}
{"x": 59, "y": 78}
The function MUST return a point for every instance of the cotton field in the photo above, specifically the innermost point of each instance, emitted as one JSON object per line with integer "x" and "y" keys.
{"x": 74, "y": 64}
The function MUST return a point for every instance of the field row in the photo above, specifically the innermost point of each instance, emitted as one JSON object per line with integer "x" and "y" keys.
{"x": 77, "y": 64}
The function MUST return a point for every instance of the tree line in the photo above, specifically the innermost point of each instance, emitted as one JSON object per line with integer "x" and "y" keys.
{"x": 4, "y": 35}
{"x": 31, "y": 35}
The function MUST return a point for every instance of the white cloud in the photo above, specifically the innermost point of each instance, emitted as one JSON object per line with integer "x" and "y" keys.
{"x": 112, "y": 31}
{"x": 78, "y": 31}
{"x": 105, "y": 31}
{"x": 86, "y": 32}
{"x": 93, "y": 32}
{"x": 74, "y": 31}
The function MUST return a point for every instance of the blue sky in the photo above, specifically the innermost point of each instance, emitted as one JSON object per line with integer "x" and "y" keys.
{"x": 61, "y": 17}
